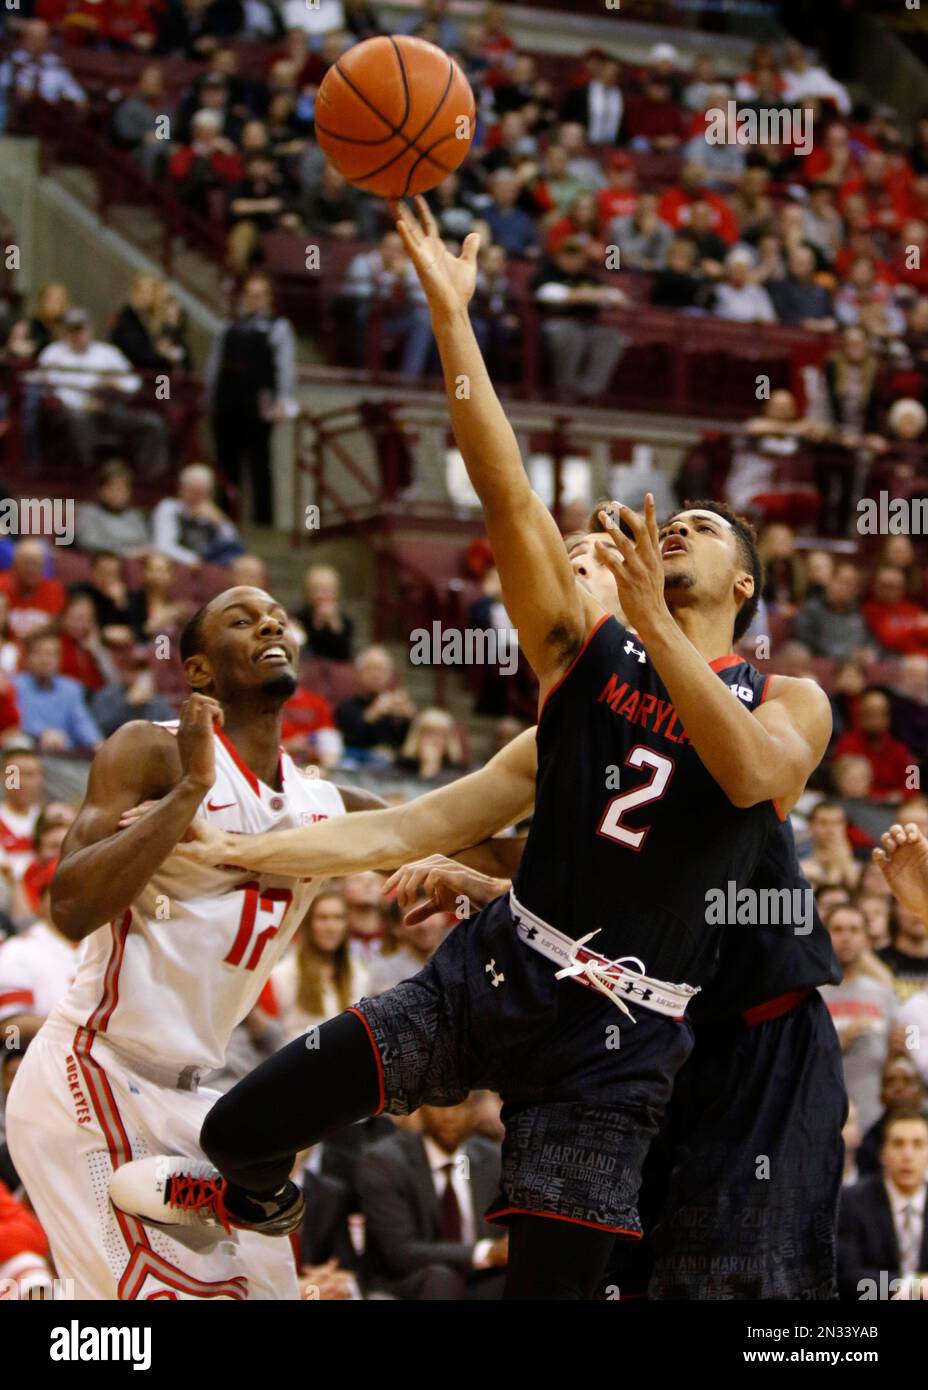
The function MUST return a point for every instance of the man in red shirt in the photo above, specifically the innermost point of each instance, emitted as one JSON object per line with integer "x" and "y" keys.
{"x": 304, "y": 716}
{"x": 897, "y": 622}
{"x": 674, "y": 206}
{"x": 32, "y": 599}
{"x": 893, "y": 764}
{"x": 620, "y": 196}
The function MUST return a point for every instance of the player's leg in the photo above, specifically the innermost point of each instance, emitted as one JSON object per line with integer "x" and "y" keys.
{"x": 555, "y": 1260}
{"x": 313, "y": 1087}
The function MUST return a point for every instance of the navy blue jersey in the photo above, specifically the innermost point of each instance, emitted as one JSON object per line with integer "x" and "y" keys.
{"x": 760, "y": 962}
{"x": 630, "y": 831}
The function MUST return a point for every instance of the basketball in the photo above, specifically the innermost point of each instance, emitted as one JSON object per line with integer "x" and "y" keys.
{"x": 395, "y": 115}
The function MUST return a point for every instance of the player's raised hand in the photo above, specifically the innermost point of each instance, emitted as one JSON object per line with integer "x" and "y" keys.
{"x": 637, "y": 567}
{"x": 448, "y": 281}
{"x": 198, "y": 714}
{"x": 902, "y": 856}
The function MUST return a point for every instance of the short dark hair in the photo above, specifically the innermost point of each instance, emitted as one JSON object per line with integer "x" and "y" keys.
{"x": 104, "y": 555}
{"x": 191, "y": 637}
{"x": 828, "y": 804}
{"x": 908, "y": 1113}
{"x": 746, "y": 537}
{"x": 40, "y": 634}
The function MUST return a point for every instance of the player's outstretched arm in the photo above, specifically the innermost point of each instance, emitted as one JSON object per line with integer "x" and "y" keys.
{"x": 902, "y": 856}
{"x": 102, "y": 868}
{"x": 758, "y": 755}
{"x": 443, "y": 821}
{"x": 551, "y": 614}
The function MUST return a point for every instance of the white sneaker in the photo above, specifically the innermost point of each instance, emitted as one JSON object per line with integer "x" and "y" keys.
{"x": 170, "y": 1191}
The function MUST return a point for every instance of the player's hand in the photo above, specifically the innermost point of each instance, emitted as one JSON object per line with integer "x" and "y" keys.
{"x": 207, "y": 844}
{"x": 637, "y": 567}
{"x": 445, "y": 883}
{"x": 448, "y": 281}
{"x": 903, "y": 861}
{"x": 198, "y": 714}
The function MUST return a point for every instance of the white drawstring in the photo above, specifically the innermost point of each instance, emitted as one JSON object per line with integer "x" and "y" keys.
{"x": 598, "y": 972}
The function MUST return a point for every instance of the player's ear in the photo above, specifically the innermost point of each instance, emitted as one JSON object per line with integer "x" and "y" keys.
{"x": 744, "y": 587}
{"x": 199, "y": 673}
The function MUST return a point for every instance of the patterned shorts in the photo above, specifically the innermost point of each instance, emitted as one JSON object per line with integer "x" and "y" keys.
{"x": 583, "y": 1088}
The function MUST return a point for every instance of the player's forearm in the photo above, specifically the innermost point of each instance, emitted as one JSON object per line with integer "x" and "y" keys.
{"x": 483, "y": 433}
{"x": 96, "y": 883}
{"x": 748, "y": 764}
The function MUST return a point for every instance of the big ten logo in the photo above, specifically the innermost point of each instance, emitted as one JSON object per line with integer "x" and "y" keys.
{"x": 613, "y": 1037}
{"x": 311, "y": 517}
{"x": 162, "y": 908}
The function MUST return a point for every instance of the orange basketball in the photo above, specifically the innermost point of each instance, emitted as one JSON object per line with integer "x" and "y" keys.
{"x": 395, "y": 115}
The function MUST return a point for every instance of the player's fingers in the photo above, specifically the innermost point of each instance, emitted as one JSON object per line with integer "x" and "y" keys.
{"x": 471, "y": 248}
{"x": 426, "y": 216}
{"x": 421, "y": 911}
{"x": 650, "y": 518}
{"x": 610, "y": 520}
{"x": 633, "y": 520}
{"x": 912, "y": 832}
{"x": 888, "y": 842}
{"x": 879, "y": 857}
{"x": 897, "y": 833}
{"x": 134, "y": 813}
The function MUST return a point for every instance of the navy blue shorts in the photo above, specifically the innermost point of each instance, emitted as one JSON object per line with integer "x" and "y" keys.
{"x": 583, "y": 1087}
{"x": 742, "y": 1185}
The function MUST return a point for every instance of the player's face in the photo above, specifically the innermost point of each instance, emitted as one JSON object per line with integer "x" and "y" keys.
{"x": 701, "y": 560}
{"x": 590, "y": 572}
{"x": 250, "y": 645}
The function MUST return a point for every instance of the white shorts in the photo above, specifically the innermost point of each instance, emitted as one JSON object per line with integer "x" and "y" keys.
{"x": 76, "y": 1112}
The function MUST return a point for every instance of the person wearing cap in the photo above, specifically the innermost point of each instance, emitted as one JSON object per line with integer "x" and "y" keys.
{"x": 91, "y": 380}
{"x": 663, "y": 66}
{"x": 597, "y": 104}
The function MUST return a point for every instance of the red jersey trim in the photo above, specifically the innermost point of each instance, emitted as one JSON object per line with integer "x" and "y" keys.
{"x": 17, "y": 996}
{"x": 775, "y": 1008}
{"x": 243, "y": 767}
{"x": 104, "y": 1010}
{"x": 496, "y": 1216}
{"x": 381, "y": 1101}
{"x": 586, "y": 642}
{"x": 722, "y": 663}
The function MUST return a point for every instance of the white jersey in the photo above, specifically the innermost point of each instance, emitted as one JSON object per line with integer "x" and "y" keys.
{"x": 16, "y": 832}
{"x": 36, "y": 970}
{"x": 170, "y": 979}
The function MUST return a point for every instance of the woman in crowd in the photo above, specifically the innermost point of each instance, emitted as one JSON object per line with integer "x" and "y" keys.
{"x": 319, "y": 978}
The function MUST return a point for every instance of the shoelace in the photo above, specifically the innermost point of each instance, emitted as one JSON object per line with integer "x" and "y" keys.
{"x": 600, "y": 975}
{"x": 191, "y": 1192}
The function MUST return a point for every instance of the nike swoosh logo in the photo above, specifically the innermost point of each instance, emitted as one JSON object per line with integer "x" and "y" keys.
{"x": 211, "y": 807}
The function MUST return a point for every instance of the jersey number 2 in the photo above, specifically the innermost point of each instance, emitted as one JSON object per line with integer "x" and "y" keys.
{"x": 661, "y": 772}
{"x": 273, "y": 903}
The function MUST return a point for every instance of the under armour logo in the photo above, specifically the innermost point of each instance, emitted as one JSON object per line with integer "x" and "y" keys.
{"x": 495, "y": 980}
{"x": 630, "y": 987}
{"x": 632, "y": 650}
{"x": 530, "y": 933}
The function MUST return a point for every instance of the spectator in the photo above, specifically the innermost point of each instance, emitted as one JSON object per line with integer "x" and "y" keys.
{"x": 47, "y": 323}
{"x": 333, "y": 207}
{"x": 738, "y": 297}
{"x": 433, "y": 745}
{"x": 386, "y": 279}
{"x": 831, "y": 860}
{"x": 327, "y": 629}
{"x": 308, "y": 731}
{"x": 209, "y": 163}
{"x": 89, "y": 378}
{"x": 907, "y": 954}
{"x": 249, "y": 570}
{"x": 704, "y": 84}
{"x": 822, "y": 225}
{"x": 901, "y": 1090}
{"x": 408, "y": 944}
{"x": 882, "y": 1230}
{"x": 492, "y": 315}
{"x": 862, "y": 290}
{"x": 898, "y": 623}
{"x": 832, "y": 623}
{"x": 50, "y": 831}
{"x": 141, "y": 332}
{"x": 423, "y": 1197}
{"x": 251, "y": 378}
{"x": 364, "y": 904}
{"x": 581, "y": 223}
{"x": 106, "y": 589}
{"x": 83, "y": 656}
{"x": 619, "y": 198}
{"x": 909, "y": 695}
{"x": 676, "y": 205}
{"x": 32, "y": 599}
{"x": 112, "y": 523}
{"x": 785, "y": 575}
{"x": 556, "y": 187}
{"x": 802, "y": 79}
{"x": 868, "y": 819}
{"x": 800, "y": 300}
{"x": 678, "y": 284}
{"x": 32, "y": 71}
{"x": 894, "y": 765}
{"x": 380, "y": 714}
{"x": 510, "y": 226}
{"x": 135, "y": 121}
{"x": 597, "y": 105}
{"x": 190, "y": 528}
{"x": 52, "y": 705}
{"x": 585, "y": 353}
{"x": 771, "y": 472}
{"x": 260, "y": 202}
{"x": 851, "y": 378}
{"x": 642, "y": 237}
{"x": 21, "y": 806}
{"x": 130, "y": 694}
{"x": 152, "y": 609}
{"x": 653, "y": 121}
{"x": 862, "y": 1010}
{"x": 318, "y": 978}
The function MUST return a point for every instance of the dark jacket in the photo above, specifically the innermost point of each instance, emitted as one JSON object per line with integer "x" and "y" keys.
{"x": 867, "y": 1244}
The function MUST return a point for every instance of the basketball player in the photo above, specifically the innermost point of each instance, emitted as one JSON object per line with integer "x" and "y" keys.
{"x": 175, "y": 955}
